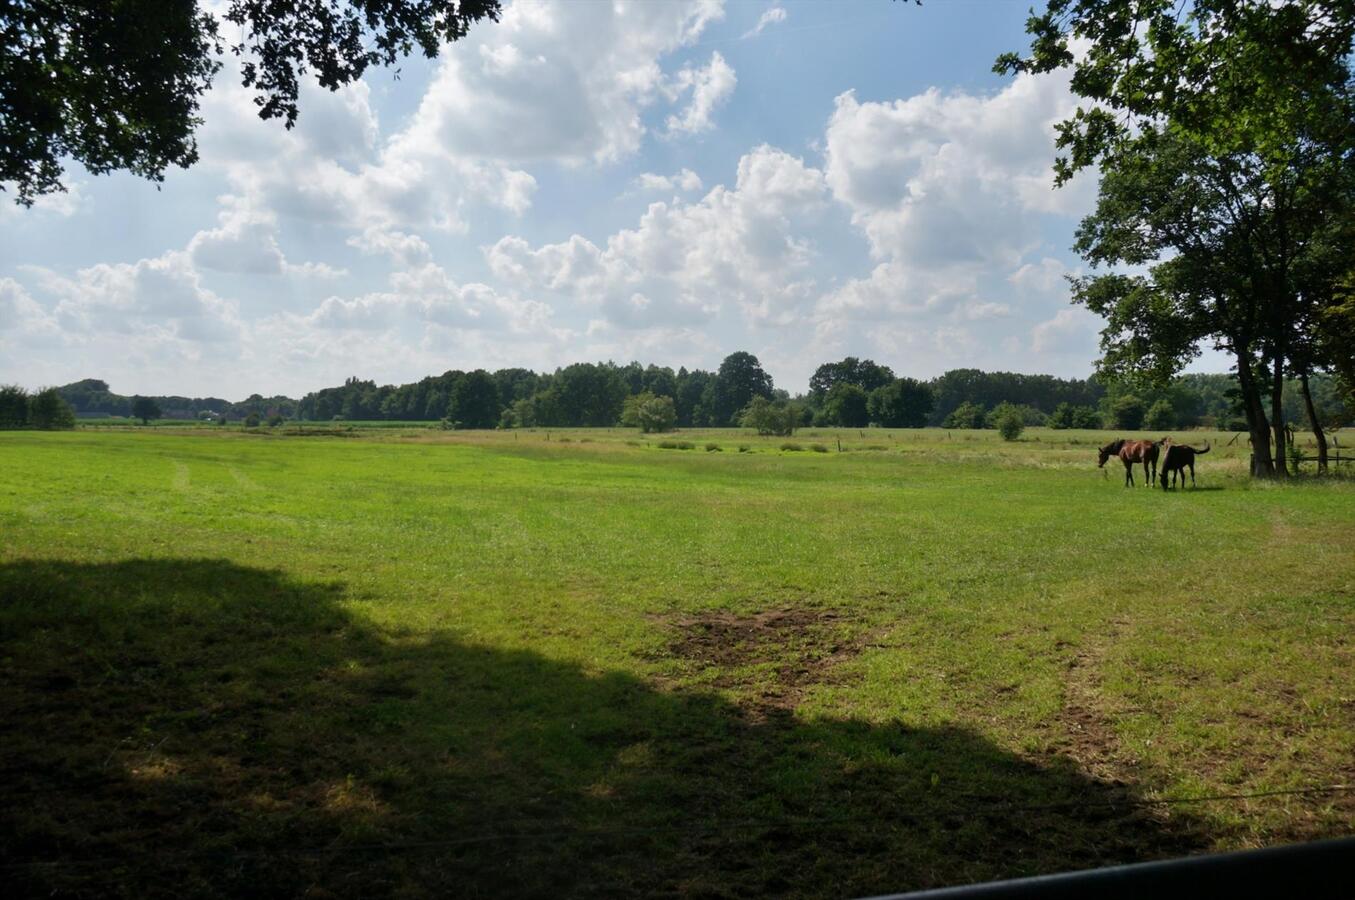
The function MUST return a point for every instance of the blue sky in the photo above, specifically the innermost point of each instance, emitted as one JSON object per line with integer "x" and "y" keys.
{"x": 661, "y": 181}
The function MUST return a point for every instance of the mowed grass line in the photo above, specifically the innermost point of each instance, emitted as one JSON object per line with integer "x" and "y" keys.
{"x": 642, "y": 669}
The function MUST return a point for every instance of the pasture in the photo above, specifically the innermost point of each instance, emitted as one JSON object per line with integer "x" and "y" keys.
{"x": 490, "y": 664}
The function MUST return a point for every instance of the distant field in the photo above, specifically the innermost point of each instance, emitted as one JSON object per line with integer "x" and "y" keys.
{"x": 488, "y": 664}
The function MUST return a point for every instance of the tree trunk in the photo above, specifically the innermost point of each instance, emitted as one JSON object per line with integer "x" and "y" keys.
{"x": 1315, "y": 423}
{"x": 1277, "y": 416}
{"x": 1262, "y": 466}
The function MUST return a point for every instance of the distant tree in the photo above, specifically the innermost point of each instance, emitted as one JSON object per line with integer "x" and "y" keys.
{"x": 903, "y": 403}
{"x": 145, "y": 409}
{"x": 1066, "y": 415}
{"x": 1009, "y": 421}
{"x": 967, "y": 415}
{"x": 770, "y": 417}
{"x": 649, "y": 413}
{"x": 118, "y": 88}
{"x": 13, "y": 406}
{"x": 252, "y": 420}
{"x": 846, "y": 406}
{"x": 48, "y": 410}
{"x": 1127, "y": 412}
{"x": 275, "y": 420}
{"x": 864, "y": 373}
{"x": 584, "y": 394}
{"x": 475, "y": 401}
{"x": 1160, "y": 416}
{"x": 740, "y": 379}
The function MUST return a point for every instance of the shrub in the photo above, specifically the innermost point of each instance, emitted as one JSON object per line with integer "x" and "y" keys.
{"x": 791, "y": 446}
{"x": 48, "y": 410}
{"x": 252, "y": 420}
{"x": 818, "y": 448}
{"x": 13, "y": 406}
{"x": 275, "y": 421}
{"x": 1009, "y": 421}
{"x": 767, "y": 417}
{"x": 966, "y": 415}
{"x": 714, "y": 448}
{"x": 649, "y": 412}
{"x": 1127, "y": 412}
{"x": 744, "y": 448}
{"x": 676, "y": 445}
{"x": 1161, "y": 417}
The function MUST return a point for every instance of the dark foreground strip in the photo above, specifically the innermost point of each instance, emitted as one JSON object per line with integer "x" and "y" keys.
{"x": 1320, "y": 869}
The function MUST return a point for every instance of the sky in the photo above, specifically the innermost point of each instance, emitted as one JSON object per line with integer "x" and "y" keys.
{"x": 658, "y": 181}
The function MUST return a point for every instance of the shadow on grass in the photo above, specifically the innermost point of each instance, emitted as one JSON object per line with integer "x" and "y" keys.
{"x": 195, "y": 727}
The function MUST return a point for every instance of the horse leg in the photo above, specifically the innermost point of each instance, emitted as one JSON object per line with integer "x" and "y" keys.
{"x": 1192, "y": 474}
{"x": 1128, "y": 474}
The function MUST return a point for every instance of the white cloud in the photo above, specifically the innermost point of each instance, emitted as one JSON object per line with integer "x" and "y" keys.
{"x": 773, "y": 16}
{"x": 685, "y": 181}
{"x": 685, "y": 262}
{"x": 1070, "y": 330}
{"x": 61, "y": 204}
{"x": 710, "y": 87}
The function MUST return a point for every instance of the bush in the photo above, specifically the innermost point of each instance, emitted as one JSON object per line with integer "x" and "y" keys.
{"x": 714, "y": 448}
{"x": 48, "y": 410}
{"x": 1009, "y": 421}
{"x": 676, "y": 445}
{"x": 744, "y": 448}
{"x": 1066, "y": 415}
{"x": 275, "y": 421}
{"x": 767, "y": 417}
{"x": 649, "y": 413}
{"x": 966, "y": 415}
{"x": 13, "y": 406}
{"x": 818, "y": 448}
{"x": 791, "y": 446}
{"x": 1127, "y": 412}
{"x": 252, "y": 420}
{"x": 1161, "y": 417}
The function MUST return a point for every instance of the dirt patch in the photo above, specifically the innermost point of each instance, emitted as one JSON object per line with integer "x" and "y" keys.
{"x": 1091, "y": 737}
{"x": 772, "y": 657}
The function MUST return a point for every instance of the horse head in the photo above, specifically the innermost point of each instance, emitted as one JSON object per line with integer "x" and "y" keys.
{"x": 1107, "y": 452}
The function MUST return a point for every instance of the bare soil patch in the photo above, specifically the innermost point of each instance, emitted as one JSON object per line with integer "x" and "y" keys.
{"x": 774, "y": 657}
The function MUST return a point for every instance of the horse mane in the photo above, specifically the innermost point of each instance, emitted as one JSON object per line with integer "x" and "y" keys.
{"x": 1113, "y": 446}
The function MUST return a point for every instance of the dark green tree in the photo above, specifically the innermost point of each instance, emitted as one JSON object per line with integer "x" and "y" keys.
{"x": 145, "y": 409}
{"x": 903, "y": 403}
{"x": 846, "y": 406}
{"x": 738, "y": 381}
{"x": 966, "y": 415}
{"x": 1160, "y": 417}
{"x": 475, "y": 401}
{"x": 48, "y": 410}
{"x": 1127, "y": 412}
{"x": 1222, "y": 129}
{"x": 864, "y": 373}
{"x": 116, "y": 86}
{"x": 13, "y": 406}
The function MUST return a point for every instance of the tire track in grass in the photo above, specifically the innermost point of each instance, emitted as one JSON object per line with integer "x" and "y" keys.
{"x": 242, "y": 480}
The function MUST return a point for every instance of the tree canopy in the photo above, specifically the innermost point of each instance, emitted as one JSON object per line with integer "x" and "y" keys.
{"x": 1224, "y": 131}
{"x": 117, "y": 86}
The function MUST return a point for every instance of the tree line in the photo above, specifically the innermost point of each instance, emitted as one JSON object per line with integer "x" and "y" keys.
{"x": 852, "y": 393}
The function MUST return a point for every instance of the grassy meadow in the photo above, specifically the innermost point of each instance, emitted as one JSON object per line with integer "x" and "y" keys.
{"x": 405, "y": 661}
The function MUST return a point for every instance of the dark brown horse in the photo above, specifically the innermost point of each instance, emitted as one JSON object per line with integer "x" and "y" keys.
{"x": 1176, "y": 459}
{"x": 1131, "y": 452}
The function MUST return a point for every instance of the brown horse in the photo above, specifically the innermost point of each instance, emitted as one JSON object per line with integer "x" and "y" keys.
{"x": 1131, "y": 452}
{"x": 1176, "y": 459}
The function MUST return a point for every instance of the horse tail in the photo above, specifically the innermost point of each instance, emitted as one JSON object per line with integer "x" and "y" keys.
{"x": 1204, "y": 451}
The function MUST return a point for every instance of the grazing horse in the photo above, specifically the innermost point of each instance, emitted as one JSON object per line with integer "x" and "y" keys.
{"x": 1131, "y": 452}
{"x": 1177, "y": 458}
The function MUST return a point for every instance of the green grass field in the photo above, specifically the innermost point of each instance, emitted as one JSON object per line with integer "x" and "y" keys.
{"x": 414, "y": 662}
